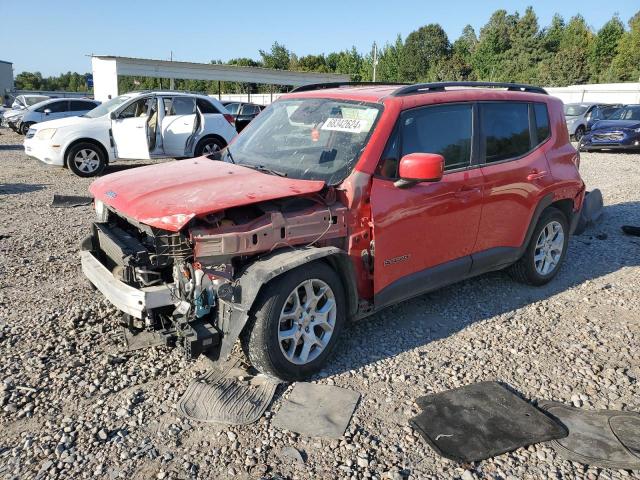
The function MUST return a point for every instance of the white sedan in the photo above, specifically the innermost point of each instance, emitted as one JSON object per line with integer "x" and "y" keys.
{"x": 140, "y": 125}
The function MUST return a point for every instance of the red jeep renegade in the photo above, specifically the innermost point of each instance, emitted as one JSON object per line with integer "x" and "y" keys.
{"x": 335, "y": 202}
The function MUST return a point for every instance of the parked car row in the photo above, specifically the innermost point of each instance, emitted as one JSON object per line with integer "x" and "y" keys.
{"x": 619, "y": 131}
{"x": 28, "y": 110}
{"x": 581, "y": 116}
{"x": 242, "y": 112}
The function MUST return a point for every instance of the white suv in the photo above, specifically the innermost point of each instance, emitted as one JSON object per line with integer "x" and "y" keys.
{"x": 136, "y": 125}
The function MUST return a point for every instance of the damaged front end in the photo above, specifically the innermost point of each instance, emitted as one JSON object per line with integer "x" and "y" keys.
{"x": 187, "y": 286}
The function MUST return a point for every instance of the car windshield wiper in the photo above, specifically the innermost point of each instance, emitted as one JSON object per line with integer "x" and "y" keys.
{"x": 263, "y": 169}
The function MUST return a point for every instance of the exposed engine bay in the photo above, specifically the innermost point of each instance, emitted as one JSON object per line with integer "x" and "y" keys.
{"x": 199, "y": 266}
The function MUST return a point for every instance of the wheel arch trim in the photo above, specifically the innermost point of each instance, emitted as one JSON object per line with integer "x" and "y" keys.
{"x": 257, "y": 274}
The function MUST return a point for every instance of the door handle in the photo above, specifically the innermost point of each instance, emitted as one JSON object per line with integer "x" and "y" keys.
{"x": 139, "y": 126}
{"x": 535, "y": 174}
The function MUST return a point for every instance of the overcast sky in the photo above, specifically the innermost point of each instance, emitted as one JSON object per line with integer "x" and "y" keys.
{"x": 54, "y": 37}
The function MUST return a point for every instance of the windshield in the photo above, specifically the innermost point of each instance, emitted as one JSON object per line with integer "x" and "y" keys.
{"x": 38, "y": 105}
{"x": 312, "y": 139}
{"x": 573, "y": 109}
{"x": 626, "y": 113}
{"x": 107, "y": 107}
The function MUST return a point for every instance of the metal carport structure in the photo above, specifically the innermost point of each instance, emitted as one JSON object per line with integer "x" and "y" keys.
{"x": 106, "y": 69}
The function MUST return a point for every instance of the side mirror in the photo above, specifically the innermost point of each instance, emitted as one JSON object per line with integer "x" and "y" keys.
{"x": 47, "y": 111}
{"x": 420, "y": 167}
{"x": 112, "y": 115}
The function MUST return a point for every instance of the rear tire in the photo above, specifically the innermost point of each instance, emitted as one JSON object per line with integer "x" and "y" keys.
{"x": 546, "y": 250}
{"x": 86, "y": 159}
{"x": 296, "y": 322}
{"x": 208, "y": 146}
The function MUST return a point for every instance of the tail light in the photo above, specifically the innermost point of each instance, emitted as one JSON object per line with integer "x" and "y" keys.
{"x": 230, "y": 119}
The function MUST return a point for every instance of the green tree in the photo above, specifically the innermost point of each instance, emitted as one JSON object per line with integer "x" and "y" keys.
{"x": 390, "y": 61}
{"x": 494, "y": 42}
{"x": 626, "y": 64}
{"x": 278, "y": 57}
{"x": 604, "y": 49}
{"x": 423, "y": 50}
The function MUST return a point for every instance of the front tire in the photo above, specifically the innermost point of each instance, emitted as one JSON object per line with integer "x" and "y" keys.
{"x": 546, "y": 250}
{"x": 86, "y": 159}
{"x": 24, "y": 127}
{"x": 296, "y": 323}
{"x": 579, "y": 133}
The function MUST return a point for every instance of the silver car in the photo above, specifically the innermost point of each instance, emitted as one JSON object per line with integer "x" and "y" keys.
{"x": 54, "y": 109}
{"x": 580, "y": 116}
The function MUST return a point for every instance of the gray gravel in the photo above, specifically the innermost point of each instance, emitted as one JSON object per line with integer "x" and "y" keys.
{"x": 74, "y": 405}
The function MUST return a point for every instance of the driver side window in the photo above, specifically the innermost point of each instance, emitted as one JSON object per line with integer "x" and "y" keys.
{"x": 442, "y": 129}
{"x": 135, "y": 109}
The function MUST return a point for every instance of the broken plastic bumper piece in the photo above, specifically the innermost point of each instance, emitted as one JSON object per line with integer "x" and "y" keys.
{"x": 131, "y": 300}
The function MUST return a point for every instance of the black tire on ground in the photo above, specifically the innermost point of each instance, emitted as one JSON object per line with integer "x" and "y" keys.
{"x": 94, "y": 156}
{"x": 24, "y": 127}
{"x": 260, "y": 340}
{"x": 209, "y": 145}
{"x": 579, "y": 133}
{"x": 524, "y": 270}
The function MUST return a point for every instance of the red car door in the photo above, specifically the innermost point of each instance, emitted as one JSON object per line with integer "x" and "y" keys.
{"x": 516, "y": 171}
{"x": 424, "y": 234}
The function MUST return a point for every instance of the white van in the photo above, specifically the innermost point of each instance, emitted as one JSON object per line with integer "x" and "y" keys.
{"x": 137, "y": 125}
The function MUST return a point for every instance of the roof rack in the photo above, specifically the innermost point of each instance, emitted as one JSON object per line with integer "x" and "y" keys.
{"x": 441, "y": 86}
{"x": 323, "y": 86}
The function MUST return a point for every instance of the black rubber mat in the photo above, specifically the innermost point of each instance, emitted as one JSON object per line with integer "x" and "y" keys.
{"x": 228, "y": 394}
{"x": 140, "y": 340}
{"x": 480, "y": 421}
{"x": 317, "y": 410}
{"x": 600, "y": 438}
{"x": 67, "y": 201}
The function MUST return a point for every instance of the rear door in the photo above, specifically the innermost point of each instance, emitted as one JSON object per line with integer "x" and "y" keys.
{"x": 424, "y": 235}
{"x": 178, "y": 124}
{"x": 515, "y": 169}
{"x": 130, "y": 129}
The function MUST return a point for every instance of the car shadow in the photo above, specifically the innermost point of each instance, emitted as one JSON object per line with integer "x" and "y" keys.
{"x": 120, "y": 167}
{"x": 18, "y": 188}
{"x": 11, "y": 147}
{"x": 444, "y": 312}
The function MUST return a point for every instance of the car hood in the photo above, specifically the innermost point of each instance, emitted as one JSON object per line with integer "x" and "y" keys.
{"x": 168, "y": 196}
{"x": 61, "y": 122}
{"x": 615, "y": 124}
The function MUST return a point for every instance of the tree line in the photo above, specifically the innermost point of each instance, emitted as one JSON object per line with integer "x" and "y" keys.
{"x": 510, "y": 47}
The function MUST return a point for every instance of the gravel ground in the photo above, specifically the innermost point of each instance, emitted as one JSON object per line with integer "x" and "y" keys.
{"x": 74, "y": 405}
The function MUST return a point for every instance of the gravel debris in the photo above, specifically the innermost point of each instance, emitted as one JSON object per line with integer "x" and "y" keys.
{"x": 75, "y": 404}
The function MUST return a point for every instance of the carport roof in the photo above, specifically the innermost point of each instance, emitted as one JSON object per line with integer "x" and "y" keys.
{"x": 143, "y": 67}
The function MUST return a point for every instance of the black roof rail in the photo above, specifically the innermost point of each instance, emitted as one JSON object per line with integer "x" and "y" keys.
{"x": 441, "y": 86}
{"x": 323, "y": 86}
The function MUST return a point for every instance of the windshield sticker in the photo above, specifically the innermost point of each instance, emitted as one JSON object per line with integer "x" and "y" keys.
{"x": 343, "y": 125}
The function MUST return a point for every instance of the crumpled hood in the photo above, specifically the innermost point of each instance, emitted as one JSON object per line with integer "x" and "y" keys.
{"x": 167, "y": 196}
{"x": 615, "y": 124}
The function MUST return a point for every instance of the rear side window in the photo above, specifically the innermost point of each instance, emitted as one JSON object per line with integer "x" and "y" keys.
{"x": 232, "y": 108}
{"x": 182, "y": 106}
{"x": 443, "y": 129}
{"x": 78, "y": 105}
{"x": 206, "y": 107}
{"x": 542, "y": 121}
{"x": 505, "y": 128}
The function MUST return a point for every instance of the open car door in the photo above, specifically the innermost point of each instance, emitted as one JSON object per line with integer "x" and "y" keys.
{"x": 131, "y": 127}
{"x": 178, "y": 124}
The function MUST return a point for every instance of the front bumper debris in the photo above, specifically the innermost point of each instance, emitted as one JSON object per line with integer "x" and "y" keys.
{"x": 131, "y": 300}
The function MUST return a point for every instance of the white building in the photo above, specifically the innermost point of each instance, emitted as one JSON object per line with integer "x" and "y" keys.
{"x": 6, "y": 78}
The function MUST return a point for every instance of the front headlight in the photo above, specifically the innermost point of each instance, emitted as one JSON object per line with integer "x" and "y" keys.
{"x": 102, "y": 212}
{"x": 637, "y": 130}
{"x": 45, "y": 133}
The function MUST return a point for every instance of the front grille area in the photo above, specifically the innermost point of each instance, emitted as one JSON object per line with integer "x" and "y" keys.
{"x": 163, "y": 246}
{"x": 608, "y": 137}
